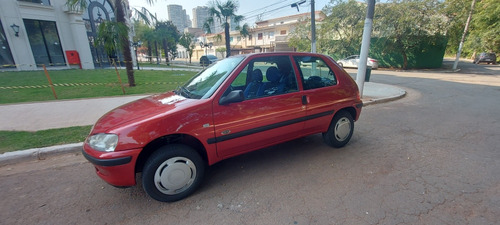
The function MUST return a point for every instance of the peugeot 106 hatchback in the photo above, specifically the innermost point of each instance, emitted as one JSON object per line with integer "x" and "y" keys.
{"x": 238, "y": 105}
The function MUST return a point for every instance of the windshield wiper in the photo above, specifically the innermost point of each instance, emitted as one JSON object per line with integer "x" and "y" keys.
{"x": 183, "y": 92}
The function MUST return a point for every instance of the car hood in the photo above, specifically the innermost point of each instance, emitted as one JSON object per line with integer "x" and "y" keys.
{"x": 139, "y": 110}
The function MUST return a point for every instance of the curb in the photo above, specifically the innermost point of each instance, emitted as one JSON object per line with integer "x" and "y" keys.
{"x": 38, "y": 153}
{"x": 402, "y": 94}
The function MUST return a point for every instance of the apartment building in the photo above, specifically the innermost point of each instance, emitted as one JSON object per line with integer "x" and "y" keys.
{"x": 266, "y": 36}
{"x": 178, "y": 16}
{"x": 200, "y": 16}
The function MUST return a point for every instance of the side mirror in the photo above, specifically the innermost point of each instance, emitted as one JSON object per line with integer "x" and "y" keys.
{"x": 232, "y": 97}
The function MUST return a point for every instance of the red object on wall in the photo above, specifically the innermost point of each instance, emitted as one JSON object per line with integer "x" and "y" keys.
{"x": 73, "y": 58}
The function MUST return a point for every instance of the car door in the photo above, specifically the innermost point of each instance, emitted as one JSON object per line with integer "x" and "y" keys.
{"x": 264, "y": 119}
{"x": 321, "y": 91}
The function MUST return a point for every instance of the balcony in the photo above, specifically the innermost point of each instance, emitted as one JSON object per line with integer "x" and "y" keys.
{"x": 281, "y": 39}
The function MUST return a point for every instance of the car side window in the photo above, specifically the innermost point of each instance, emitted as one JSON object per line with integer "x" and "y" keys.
{"x": 315, "y": 73}
{"x": 266, "y": 76}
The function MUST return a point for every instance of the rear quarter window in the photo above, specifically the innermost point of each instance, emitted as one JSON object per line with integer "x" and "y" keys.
{"x": 315, "y": 73}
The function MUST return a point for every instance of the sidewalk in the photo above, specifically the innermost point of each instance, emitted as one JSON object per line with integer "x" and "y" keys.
{"x": 68, "y": 113}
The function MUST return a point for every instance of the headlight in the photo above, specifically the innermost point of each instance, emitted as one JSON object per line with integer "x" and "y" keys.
{"x": 103, "y": 142}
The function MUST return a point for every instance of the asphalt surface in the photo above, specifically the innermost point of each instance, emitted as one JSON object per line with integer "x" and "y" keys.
{"x": 431, "y": 157}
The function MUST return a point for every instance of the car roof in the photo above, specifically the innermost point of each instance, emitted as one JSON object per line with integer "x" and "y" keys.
{"x": 278, "y": 53}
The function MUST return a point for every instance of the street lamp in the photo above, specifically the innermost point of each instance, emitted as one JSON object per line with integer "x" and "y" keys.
{"x": 15, "y": 28}
{"x": 206, "y": 45}
{"x": 137, "y": 45}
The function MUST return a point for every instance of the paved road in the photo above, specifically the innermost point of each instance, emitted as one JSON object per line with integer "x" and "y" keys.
{"x": 429, "y": 158}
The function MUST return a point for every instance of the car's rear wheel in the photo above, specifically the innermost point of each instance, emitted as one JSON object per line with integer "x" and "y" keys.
{"x": 172, "y": 173}
{"x": 340, "y": 131}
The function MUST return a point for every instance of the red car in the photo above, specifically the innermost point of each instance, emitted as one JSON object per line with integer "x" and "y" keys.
{"x": 238, "y": 105}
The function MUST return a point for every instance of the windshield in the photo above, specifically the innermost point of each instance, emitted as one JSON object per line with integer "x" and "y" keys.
{"x": 204, "y": 84}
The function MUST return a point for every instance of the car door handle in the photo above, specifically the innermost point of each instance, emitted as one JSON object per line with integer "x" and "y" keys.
{"x": 305, "y": 100}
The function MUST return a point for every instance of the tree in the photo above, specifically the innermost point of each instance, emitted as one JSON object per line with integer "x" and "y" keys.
{"x": 220, "y": 50}
{"x": 244, "y": 30}
{"x": 405, "y": 24}
{"x": 223, "y": 13}
{"x": 79, "y": 5}
{"x": 341, "y": 32}
{"x": 484, "y": 30}
{"x": 300, "y": 37}
{"x": 108, "y": 36}
{"x": 169, "y": 37}
{"x": 187, "y": 41}
{"x": 486, "y": 26}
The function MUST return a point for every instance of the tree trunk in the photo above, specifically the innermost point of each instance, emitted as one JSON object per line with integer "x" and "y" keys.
{"x": 400, "y": 45}
{"x": 405, "y": 60}
{"x": 156, "y": 52}
{"x": 165, "y": 49}
{"x": 150, "y": 53}
{"x": 228, "y": 43}
{"x": 127, "y": 55}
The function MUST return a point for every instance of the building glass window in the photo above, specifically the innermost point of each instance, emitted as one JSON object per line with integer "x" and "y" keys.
{"x": 259, "y": 36}
{"x": 283, "y": 32}
{"x": 41, "y": 2}
{"x": 6, "y": 60}
{"x": 250, "y": 37}
{"x": 45, "y": 42}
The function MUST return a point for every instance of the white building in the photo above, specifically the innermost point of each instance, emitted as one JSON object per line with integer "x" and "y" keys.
{"x": 34, "y": 33}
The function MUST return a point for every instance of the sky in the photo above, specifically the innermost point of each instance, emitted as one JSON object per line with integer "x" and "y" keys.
{"x": 248, "y": 8}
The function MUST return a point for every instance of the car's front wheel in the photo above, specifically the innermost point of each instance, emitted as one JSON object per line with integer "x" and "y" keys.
{"x": 172, "y": 173}
{"x": 340, "y": 131}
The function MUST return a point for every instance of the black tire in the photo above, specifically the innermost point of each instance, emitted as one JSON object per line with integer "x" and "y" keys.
{"x": 340, "y": 130}
{"x": 172, "y": 173}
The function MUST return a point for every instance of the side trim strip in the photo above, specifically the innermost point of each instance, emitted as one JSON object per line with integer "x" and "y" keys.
{"x": 107, "y": 162}
{"x": 267, "y": 127}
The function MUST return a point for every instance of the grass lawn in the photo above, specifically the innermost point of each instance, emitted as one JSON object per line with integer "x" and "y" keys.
{"x": 31, "y": 86}
{"x": 20, "y": 140}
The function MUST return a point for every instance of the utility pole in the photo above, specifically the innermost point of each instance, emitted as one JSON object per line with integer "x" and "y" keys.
{"x": 455, "y": 65}
{"x": 365, "y": 46}
{"x": 313, "y": 28}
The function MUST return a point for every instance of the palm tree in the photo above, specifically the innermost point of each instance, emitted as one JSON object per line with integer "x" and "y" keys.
{"x": 79, "y": 5}
{"x": 224, "y": 12}
{"x": 108, "y": 36}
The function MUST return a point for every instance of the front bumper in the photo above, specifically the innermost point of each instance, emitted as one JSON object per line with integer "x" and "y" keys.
{"x": 116, "y": 168}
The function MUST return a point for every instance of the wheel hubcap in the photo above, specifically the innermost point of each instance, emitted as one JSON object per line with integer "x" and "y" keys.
{"x": 175, "y": 175}
{"x": 342, "y": 129}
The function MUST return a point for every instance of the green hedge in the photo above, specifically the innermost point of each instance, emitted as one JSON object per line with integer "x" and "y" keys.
{"x": 428, "y": 52}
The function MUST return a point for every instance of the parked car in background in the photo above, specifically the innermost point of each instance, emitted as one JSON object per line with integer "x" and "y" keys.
{"x": 240, "y": 104}
{"x": 208, "y": 59}
{"x": 485, "y": 58}
{"x": 353, "y": 61}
